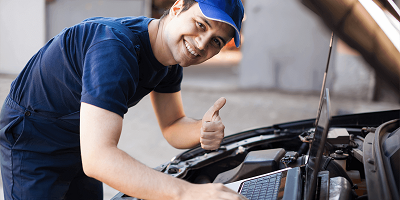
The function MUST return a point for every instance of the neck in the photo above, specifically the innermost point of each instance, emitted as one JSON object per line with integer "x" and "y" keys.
{"x": 156, "y": 40}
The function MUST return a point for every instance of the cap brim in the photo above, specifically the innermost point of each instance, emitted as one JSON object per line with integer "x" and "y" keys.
{"x": 217, "y": 14}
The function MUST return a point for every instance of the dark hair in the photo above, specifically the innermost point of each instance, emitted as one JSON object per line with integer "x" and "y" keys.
{"x": 186, "y": 5}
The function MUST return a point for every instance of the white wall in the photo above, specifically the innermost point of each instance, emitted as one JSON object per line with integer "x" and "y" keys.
{"x": 23, "y": 23}
{"x": 22, "y": 32}
{"x": 66, "y": 13}
{"x": 285, "y": 47}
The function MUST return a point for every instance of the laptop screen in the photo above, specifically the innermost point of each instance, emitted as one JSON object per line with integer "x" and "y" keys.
{"x": 320, "y": 135}
{"x": 317, "y": 147}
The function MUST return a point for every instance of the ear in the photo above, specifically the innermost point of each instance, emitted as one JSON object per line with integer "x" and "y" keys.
{"x": 176, "y": 8}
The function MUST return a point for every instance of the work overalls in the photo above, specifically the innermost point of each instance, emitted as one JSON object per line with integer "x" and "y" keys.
{"x": 40, "y": 156}
{"x": 40, "y": 152}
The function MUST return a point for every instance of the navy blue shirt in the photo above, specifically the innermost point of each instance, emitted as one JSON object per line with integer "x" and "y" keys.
{"x": 95, "y": 64}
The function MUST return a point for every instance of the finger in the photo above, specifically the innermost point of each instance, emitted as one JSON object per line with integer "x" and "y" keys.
{"x": 243, "y": 197}
{"x": 232, "y": 194}
{"x": 214, "y": 109}
{"x": 211, "y": 139}
{"x": 209, "y": 147}
{"x": 216, "y": 117}
{"x": 213, "y": 126}
{"x": 219, "y": 104}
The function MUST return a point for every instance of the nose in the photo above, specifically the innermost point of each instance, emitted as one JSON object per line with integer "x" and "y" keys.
{"x": 202, "y": 41}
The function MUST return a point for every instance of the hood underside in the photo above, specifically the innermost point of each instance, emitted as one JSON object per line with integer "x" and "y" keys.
{"x": 354, "y": 23}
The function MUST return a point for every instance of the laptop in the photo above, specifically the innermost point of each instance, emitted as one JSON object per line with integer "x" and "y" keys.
{"x": 297, "y": 183}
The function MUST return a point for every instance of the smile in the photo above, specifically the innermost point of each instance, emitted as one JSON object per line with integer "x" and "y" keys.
{"x": 190, "y": 49}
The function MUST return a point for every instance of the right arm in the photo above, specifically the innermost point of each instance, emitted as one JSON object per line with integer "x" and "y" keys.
{"x": 100, "y": 130}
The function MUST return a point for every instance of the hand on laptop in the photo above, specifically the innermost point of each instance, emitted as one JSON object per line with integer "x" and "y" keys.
{"x": 211, "y": 191}
{"x": 212, "y": 130}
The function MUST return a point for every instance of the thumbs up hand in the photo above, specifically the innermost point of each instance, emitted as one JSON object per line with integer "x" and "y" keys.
{"x": 212, "y": 129}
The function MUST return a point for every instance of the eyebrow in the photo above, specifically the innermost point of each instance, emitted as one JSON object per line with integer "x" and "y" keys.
{"x": 206, "y": 20}
{"x": 223, "y": 41}
{"x": 208, "y": 23}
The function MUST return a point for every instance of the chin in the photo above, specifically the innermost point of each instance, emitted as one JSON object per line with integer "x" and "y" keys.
{"x": 187, "y": 63}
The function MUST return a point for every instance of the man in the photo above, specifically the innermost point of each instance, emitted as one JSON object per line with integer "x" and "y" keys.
{"x": 62, "y": 120}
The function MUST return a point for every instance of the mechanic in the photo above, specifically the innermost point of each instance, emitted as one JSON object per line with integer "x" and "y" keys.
{"x": 61, "y": 122}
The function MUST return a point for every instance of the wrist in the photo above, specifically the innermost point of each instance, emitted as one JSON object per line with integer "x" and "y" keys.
{"x": 179, "y": 189}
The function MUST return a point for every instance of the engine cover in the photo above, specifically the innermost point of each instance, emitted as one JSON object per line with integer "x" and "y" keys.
{"x": 255, "y": 163}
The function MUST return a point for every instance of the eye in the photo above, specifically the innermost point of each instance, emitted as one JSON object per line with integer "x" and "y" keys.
{"x": 216, "y": 42}
{"x": 201, "y": 25}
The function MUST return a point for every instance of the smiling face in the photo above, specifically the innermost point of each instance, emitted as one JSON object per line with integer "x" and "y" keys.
{"x": 190, "y": 38}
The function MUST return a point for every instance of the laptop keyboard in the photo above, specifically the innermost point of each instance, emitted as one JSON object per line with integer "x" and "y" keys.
{"x": 262, "y": 188}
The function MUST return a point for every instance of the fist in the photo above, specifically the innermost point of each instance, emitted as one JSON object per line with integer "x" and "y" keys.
{"x": 212, "y": 129}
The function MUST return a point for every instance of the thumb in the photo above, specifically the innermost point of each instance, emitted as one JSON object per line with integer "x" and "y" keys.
{"x": 214, "y": 110}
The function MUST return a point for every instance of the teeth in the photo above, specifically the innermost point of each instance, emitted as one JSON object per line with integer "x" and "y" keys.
{"x": 190, "y": 49}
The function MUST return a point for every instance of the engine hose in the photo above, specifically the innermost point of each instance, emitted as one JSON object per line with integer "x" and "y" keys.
{"x": 303, "y": 149}
{"x": 334, "y": 169}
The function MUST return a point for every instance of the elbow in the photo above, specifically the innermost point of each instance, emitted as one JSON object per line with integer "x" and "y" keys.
{"x": 88, "y": 170}
{"x": 171, "y": 139}
{"x": 96, "y": 161}
{"x": 89, "y": 164}
{"x": 180, "y": 143}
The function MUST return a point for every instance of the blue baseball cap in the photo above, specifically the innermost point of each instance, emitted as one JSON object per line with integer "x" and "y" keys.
{"x": 228, "y": 11}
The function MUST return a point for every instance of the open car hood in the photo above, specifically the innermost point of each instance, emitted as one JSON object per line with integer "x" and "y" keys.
{"x": 369, "y": 154}
{"x": 370, "y": 27}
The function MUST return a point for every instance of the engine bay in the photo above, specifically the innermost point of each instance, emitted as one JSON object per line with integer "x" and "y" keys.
{"x": 360, "y": 156}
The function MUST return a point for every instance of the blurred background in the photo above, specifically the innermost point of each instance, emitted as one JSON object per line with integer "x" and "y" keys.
{"x": 274, "y": 77}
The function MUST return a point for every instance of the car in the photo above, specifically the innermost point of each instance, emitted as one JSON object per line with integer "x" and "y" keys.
{"x": 357, "y": 155}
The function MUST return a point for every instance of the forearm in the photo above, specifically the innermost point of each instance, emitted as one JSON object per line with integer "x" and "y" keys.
{"x": 184, "y": 133}
{"x": 101, "y": 159}
{"x": 122, "y": 172}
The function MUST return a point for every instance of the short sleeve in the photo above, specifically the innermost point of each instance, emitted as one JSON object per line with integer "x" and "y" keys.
{"x": 172, "y": 81}
{"x": 110, "y": 76}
